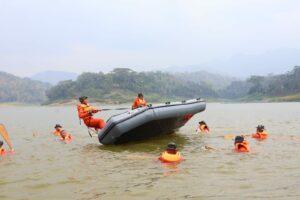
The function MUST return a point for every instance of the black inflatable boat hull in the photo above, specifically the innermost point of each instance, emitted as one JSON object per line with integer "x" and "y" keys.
{"x": 146, "y": 122}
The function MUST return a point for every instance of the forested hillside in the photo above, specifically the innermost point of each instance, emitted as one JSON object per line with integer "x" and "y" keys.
{"x": 22, "y": 90}
{"x": 215, "y": 81}
{"x": 285, "y": 87}
{"x": 122, "y": 84}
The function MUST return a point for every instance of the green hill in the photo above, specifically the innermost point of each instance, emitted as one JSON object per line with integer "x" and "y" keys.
{"x": 215, "y": 81}
{"x": 283, "y": 87}
{"x": 122, "y": 84}
{"x": 21, "y": 90}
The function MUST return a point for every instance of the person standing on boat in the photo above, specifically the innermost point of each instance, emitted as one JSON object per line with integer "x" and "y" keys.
{"x": 139, "y": 102}
{"x": 5, "y": 136}
{"x": 86, "y": 112}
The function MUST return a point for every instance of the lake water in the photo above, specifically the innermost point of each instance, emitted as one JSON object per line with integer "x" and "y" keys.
{"x": 45, "y": 168}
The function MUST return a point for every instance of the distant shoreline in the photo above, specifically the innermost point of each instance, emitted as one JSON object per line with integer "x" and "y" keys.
{"x": 72, "y": 102}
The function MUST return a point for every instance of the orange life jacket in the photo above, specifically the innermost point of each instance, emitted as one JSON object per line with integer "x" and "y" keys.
{"x": 139, "y": 103}
{"x": 242, "y": 147}
{"x": 260, "y": 135}
{"x": 170, "y": 158}
{"x": 56, "y": 133}
{"x": 2, "y": 152}
{"x": 84, "y": 111}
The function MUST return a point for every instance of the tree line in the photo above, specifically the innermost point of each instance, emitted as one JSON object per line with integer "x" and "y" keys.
{"x": 23, "y": 90}
{"x": 122, "y": 84}
{"x": 260, "y": 87}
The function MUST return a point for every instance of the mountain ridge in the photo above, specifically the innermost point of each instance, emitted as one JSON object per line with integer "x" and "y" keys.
{"x": 53, "y": 77}
{"x": 245, "y": 65}
{"x": 21, "y": 90}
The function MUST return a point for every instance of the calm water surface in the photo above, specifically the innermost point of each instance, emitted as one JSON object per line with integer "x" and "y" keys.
{"x": 45, "y": 168}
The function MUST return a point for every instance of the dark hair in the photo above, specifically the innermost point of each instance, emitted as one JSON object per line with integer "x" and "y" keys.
{"x": 238, "y": 139}
{"x": 1, "y": 143}
{"x": 140, "y": 95}
{"x": 82, "y": 98}
{"x": 260, "y": 128}
{"x": 57, "y": 126}
{"x": 202, "y": 122}
{"x": 172, "y": 146}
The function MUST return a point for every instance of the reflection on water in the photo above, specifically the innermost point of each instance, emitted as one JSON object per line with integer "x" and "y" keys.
{"x": 155, "y": 144}
{"x": 45, "y": 168}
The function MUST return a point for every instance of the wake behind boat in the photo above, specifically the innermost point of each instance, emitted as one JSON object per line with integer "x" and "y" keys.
{"x": 146, "y": 122}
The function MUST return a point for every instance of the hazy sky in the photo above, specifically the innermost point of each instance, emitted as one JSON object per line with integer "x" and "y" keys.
{"x": 93, "y": 35}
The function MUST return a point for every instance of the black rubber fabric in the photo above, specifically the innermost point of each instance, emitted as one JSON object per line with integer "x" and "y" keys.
{"x": 147, "y": 122}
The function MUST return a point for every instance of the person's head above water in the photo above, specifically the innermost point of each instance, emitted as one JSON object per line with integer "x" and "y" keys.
{"x": 238, "y": 139}
{"x": 203, "y": 127}
{"x": 260, "y": 128}
{"x": 241, "y": 145}
{"x": 1, "y": 144}
{"x": 172, "y": 148}
{"x": 202, "y": 123}
{"x": 83, "y": 99}
{"x": 140, "y": 95}
{"x": 57, "y": 126}
{"x": 63, "y": 134}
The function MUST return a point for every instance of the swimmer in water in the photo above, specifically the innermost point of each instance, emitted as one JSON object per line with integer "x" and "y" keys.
{"x": 5, "y": 136}
{"x": 58, "y": 129}
{"x": 261, "y": 133}
{"x": 202, "y": 127}
{"x": 65, "y": 136}
{"x": 241, "y": 145}
{"x": 2, "y": 150}
{"x": 171, "y": 155}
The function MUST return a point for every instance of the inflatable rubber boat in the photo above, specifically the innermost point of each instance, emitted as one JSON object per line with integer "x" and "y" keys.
{"x": 145, "y": 122}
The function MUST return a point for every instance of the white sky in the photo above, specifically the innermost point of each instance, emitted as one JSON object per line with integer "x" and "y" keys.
{"x": 93, "y": 35}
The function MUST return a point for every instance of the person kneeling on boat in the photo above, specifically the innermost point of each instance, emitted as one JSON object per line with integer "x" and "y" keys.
{"x": 241, "y": 145}
{"x": 260, "y": 133}
{"x": 202, "y": 127}
{"x": 171, "y": 155}
{"x": 139, "y": 102}
{"x": 5, "y": 136}
{"x": 86, "y": 112}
